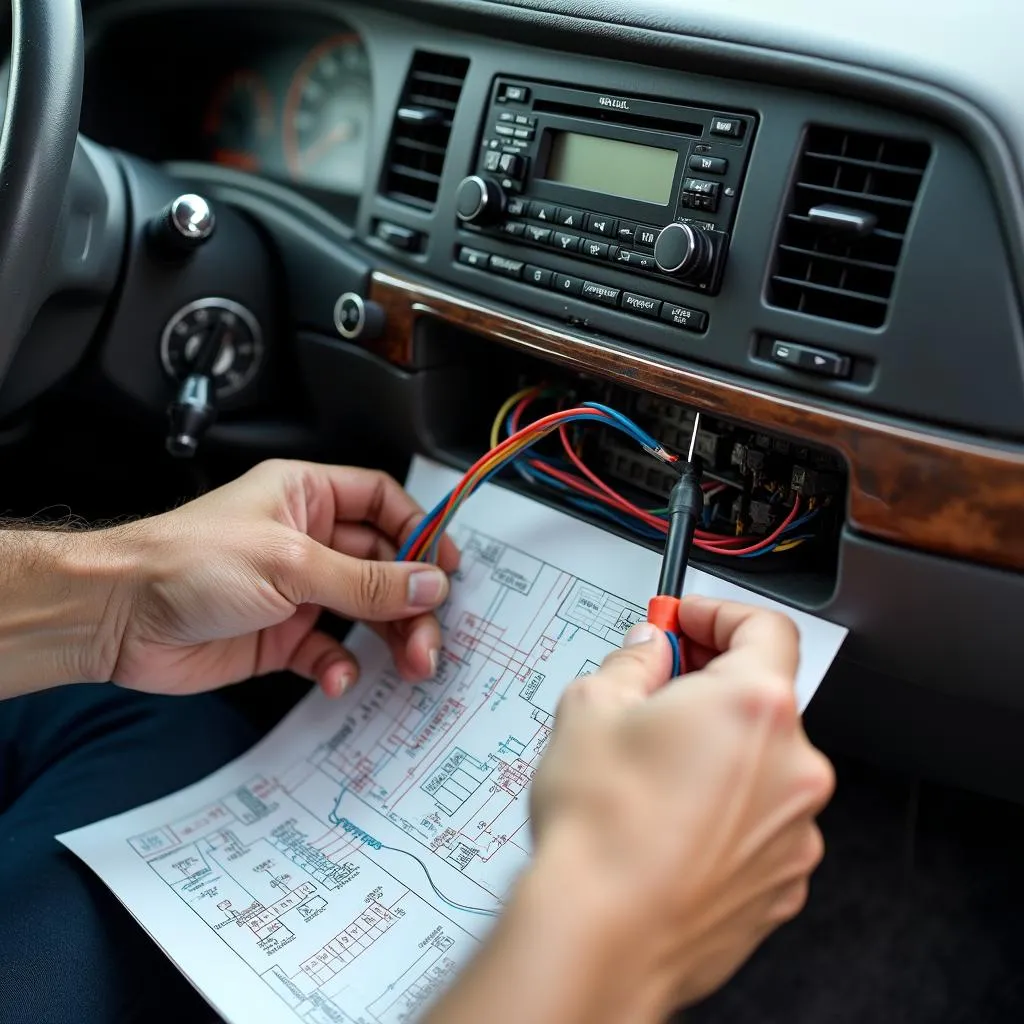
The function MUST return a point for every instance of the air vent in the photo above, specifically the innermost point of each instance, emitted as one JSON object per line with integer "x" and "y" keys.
{"x": 423, "y": 122}
{"x": 847, "y": 216}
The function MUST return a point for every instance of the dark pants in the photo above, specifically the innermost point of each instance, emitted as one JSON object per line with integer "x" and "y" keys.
{"x": 69, "y": 952}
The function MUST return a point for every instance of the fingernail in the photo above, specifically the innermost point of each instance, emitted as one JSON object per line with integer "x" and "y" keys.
{"x": 427, "y": 588}
{"x": 433, "y": 662}
{"x": 641, "y": 633}
{"x": 346, "y": 678}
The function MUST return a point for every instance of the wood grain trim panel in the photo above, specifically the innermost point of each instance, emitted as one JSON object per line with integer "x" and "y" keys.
{"x": 907, "y": 486}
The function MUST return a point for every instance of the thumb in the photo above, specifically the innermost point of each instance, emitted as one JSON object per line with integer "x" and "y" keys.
{"x": 642, "y": 666}
{"x": 359, "y": 588}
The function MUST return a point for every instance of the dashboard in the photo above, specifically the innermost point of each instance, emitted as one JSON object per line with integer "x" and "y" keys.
{"x": 289, "y": 97}
{"x": 805, "y": 228}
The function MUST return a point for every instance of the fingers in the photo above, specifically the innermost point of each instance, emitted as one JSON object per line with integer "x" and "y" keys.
{"x": 324, "y": 661}
{"x": 306, "y": 572}
{"x": 361, "y": 541}
{"x": 415, "y": 646}
{"x": 755, "y": 638}
{"x": 642, "y": 665}
{"x": 365, "y": 495}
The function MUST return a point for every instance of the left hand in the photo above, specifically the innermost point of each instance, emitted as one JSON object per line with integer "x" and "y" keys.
{"x": 231, "y": 585}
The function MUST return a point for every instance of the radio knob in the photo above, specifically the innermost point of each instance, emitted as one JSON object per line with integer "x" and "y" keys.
{"x": 683, "y": 250}
{"x": 479, "y": 200}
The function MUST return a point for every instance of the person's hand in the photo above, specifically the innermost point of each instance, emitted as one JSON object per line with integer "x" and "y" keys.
{"x": 231, "y": 585}
{"x": 684, "y": 812}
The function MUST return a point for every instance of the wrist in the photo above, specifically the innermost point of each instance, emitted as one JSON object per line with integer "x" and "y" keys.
{"x": 604, "y": 928}
{"x": 64, "y": 601}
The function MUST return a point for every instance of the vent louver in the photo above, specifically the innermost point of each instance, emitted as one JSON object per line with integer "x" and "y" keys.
{"x": 846, "y": 219}
{"x": 423, "y": 123}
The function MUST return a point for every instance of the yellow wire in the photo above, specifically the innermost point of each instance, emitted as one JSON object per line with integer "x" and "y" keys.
{"x": 509, "y": 405}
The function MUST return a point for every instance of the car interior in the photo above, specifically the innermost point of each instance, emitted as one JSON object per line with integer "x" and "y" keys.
{"x": 352, "y": 230}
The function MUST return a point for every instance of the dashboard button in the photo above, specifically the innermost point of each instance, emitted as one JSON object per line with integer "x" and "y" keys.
{"x": 732, "y": 127}
{"x": 595, "y": 250}
{"x": 708, "y": 164}
{"x": 538, "y": 276}
{"x": 644, "y": 261}
{"x": 645, "y": 237}
{"x": 514, "y": 94}
{"x": 399, "y": 237}
{"x": 626, "y": 256}
{"x": 505, "y": 129}
{"x": 505, "y": 267}
{"x": 517, "y": 206}
{"x": 542, "y": 236}
{"x": 523, "y": 119}
{"x": 570, "y": 218}
{"x": 568, "y": 285}
{"x": 514, "y": 228}
{"x": 566, "y": 242}
{"x": 626, "y": 233}
{"x": 474, "y": 257}
{"x": 492, "y": 160}
{"x": 510, "y": 164}
{"x": 601, "y": 224}
{"x": 507, "y": 116}
{"x": 681, "y": 316}
{"x": 641, "y": 304}
{"x": 813, "y": 360}
{"x": 524, "y": 133}
{"x": 543, "y": 211}
{"x": 600, "y": 293}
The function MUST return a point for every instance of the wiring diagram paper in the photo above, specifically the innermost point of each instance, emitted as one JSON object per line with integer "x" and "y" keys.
{"x": 344, "y": 869}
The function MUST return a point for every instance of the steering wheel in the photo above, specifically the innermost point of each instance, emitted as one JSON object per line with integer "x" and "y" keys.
{"x": 36, "y": 150}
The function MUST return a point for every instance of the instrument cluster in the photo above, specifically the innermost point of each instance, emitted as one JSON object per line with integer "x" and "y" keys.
{"x": 288, "y": 98}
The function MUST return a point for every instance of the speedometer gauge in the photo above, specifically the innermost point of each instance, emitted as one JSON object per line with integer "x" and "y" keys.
{"x": 327, "y": 116}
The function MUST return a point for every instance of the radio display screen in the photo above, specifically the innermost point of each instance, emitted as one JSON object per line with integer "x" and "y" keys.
{"x": 615, "y": 168}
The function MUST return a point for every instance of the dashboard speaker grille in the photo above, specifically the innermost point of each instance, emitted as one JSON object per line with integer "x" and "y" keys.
{"x": 423, "y": 123}
{"x": 846, "y": 218}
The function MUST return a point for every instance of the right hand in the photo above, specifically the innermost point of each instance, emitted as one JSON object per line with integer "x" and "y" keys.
{"x": 688, "y": 808}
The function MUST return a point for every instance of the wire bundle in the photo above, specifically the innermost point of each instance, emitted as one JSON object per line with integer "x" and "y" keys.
{"x": 580, "y": 485}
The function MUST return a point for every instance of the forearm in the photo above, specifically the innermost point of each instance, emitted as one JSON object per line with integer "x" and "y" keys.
{"x": 60, "y": 607}
{"x": 562, "y": 953}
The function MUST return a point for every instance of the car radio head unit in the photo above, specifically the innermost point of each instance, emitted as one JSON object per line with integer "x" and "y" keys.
{"x": 647, "y": 186}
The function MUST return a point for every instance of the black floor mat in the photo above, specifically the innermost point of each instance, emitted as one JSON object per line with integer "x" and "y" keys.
{"x": 916, "y": 916}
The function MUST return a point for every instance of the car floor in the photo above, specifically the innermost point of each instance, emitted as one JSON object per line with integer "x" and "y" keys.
{"x": 915, "y": 916}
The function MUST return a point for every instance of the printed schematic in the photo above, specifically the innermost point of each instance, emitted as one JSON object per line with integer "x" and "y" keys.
{"x": 355, "y": 882}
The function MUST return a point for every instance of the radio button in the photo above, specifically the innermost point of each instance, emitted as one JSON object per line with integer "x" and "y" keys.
{"x": 595, "y": 250}
{"x": 542, "y": 236}
{"x": 514, "y": 94}
{"x": 538, "y": 276}
{"x": 514, "y": 228}
{"x": 506, "y": 267}
{"x": 688, "y": 319}
{"x": 600, "y": 224}
{"x": 492, "y": 160}
{"x": 641, "y": 304}
{"x": 600, "y": 293}
{"x": 568, "y": 285}
{"x": 517, "y": 206}
{"x": 644, "y": 261}
{"x": 646, "y": 237}
{"x": 510, "y": 164}
{"x": 543, "y": 211}
{"x": 624, "y": 256}
{"x": 626, "y": 233}
{"x": 507, "y": 116}
{"x": 566, "y": 243}
{"x": 708, "y": 164}
{"x": 732, "y": 127}
{"x": 474, "y": 257}
{"x": 504, "y": 129}
{"x": 570, "y": 218}
{"x": 524, "y": 133}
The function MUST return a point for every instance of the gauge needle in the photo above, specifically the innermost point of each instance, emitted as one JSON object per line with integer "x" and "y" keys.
{"x": 341, "y": 132}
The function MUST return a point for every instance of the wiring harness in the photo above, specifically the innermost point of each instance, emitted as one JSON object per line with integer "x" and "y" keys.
{"x": 569, "y": 475}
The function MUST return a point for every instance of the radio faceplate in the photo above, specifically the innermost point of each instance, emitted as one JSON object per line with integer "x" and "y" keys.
{"x": 600, "y": 178}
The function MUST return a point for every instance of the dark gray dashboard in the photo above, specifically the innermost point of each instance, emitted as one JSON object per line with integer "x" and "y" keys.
{"x": 945, "y": 362}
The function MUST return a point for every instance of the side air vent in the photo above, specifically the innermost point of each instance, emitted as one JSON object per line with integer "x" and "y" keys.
{"x": 423, "y": 122}
{"x": 846, "y": 218}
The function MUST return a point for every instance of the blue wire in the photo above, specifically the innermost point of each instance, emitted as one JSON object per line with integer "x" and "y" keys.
{"x": 677, "y": 657}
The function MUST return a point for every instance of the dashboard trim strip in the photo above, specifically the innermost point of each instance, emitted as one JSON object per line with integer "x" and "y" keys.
{"x": 907, "y": 486}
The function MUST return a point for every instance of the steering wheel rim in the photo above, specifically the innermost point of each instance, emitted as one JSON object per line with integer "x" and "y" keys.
{"x": 37, "y": 145}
